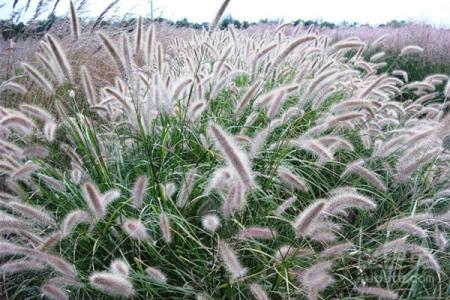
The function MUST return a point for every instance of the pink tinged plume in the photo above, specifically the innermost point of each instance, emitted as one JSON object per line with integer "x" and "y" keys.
{"x": 210, "y": 222}
{"x": 112, "y": 284}
{"x": 135, "y": 229}
{"x": 231, "y": 261}
{"x": 235, "y": 157}
{"x": 156, "y": 275}
{"x": 139, "y": 188}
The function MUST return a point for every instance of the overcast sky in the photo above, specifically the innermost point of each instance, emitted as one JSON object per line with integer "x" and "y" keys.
{"x": 436, "y": 12}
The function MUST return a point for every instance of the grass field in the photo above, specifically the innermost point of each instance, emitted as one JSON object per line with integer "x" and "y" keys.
{"x": 276, "y": 164}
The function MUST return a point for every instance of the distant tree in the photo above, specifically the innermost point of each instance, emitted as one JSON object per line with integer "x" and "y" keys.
{"x": 395, "y": 23}
{"x": 197, "y": 26}
{"x": 226, "y": 21}
{"x": 326, "y": 24}
{"x": 237, "y": 24}
{"x": 12, "y": 31}
{"x": 45, "y": 25}
{"x": 298, "y": 22}
{"x": 160, "y": 20}
{"x": 182, "y": 23}
{"x": 309, "y": 23}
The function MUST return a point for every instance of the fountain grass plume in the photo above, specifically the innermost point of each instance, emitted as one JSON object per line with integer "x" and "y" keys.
{"x": 235, "y": 157}
{"x": 139, "y": 189}
{"x": 231, "y": 261}
{"x": 111, "y": 284}
{"x": 75, "y": 26}
{"x": 307, "y": 217}
{"x": 219, "y": 14}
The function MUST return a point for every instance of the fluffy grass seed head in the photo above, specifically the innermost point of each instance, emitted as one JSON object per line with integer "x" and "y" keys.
{"x": 211, "y": 222}
{"x": 307, "y": 217}
{"x": 54, "y": 292}
{"x": 164, "y": 225}
{"x": 235, "y": 157}
{"x": 139, "y": 188}
{"x": 258, "y": 292}
{"x": 111, "y": 284}
{"x": 231, "y": 261}
{"x": 378, "y": 292}
{"x": 135, "y": 229}
{"x": 156, "y": 275}
{"x": 120, "y": 267}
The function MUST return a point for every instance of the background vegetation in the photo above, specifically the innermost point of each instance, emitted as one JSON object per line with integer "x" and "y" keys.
{"x": 154, "y": 161}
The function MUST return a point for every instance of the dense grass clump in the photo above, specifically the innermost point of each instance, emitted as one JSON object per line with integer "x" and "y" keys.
{"x": 227, "y": 166}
